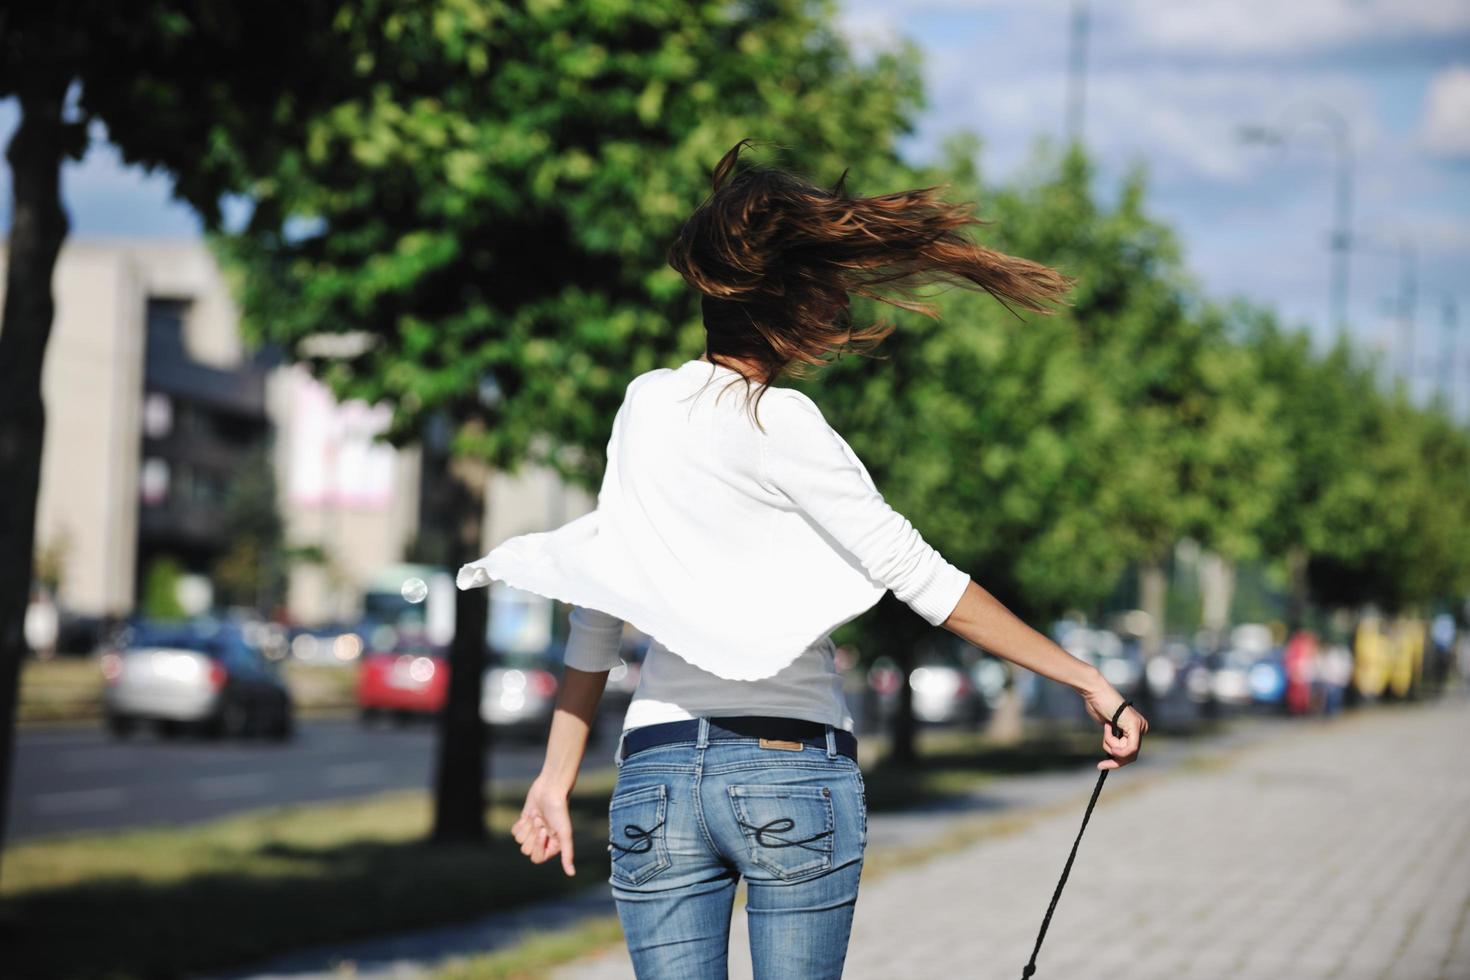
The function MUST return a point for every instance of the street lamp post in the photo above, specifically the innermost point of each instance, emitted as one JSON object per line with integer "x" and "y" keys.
{"x": 1448, "y": 354}
{"x": 1077, "y": 72}
{"x": 1341, "y": 240}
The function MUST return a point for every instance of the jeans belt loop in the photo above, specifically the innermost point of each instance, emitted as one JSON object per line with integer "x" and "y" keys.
{"x": 831, "y": 743}
{"x": 702, "y": 741}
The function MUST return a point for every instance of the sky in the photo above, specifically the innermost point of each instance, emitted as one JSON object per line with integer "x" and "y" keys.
{"x": 1169, "y": 86}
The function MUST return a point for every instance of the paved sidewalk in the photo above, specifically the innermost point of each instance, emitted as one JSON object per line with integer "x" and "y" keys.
{"x": 422, "y": 952}
{"x": 1333, "y": 849}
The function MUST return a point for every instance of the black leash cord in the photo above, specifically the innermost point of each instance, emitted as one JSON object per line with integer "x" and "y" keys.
{"x": 1030, "y": 968}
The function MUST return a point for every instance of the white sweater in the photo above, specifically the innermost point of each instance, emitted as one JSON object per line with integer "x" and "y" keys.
{"x": 737, "y": 550}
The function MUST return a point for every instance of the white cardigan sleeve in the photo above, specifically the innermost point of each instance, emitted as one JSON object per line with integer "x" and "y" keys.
{"x": 594, "y": 641}
{"x": 808, "y": 461}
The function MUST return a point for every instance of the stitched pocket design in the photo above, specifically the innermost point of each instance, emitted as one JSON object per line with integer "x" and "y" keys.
{"x": 637, "y": 841}
{"x": 788, "y": 829}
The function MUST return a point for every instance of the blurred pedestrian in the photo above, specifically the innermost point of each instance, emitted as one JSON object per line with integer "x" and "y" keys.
{"x": 1336, "y": 671}
{"x": 1298, "y": 660}
{"x": 738, "y": 535}
{"x": 42, "y": 625}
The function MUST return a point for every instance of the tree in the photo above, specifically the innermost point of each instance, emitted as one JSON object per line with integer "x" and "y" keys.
{"x": 1391, "y": 528}
{"x": 998, "y": 435}
{"x": 252, "y": 570}
{"x": 1322, "y": 404}
{"x": 205, "y": 90}
{"x": 161, "y": 589}
{"x": 1100, "y": 437}
{"x": 1194, "y": 454}
{"x": 488, "y": 214}
{"x": 1047, "y": 455}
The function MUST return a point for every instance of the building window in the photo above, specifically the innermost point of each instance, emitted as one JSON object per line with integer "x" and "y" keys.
{"x": 158, "y": 415}
{"x": 166, "y": 320}
{"x": 154, "y": 478}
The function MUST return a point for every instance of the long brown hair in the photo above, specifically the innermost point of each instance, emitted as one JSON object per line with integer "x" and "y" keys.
{"x": 775, "y": 259}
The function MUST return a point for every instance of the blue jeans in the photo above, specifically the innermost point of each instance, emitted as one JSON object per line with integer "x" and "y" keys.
{"x": 688, "y": 819}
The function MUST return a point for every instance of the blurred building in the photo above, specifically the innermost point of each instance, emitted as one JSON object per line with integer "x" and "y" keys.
{"x": 153, "y": 407}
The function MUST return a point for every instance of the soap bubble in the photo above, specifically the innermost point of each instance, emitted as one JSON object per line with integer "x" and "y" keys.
{"x": 415, "y": 590}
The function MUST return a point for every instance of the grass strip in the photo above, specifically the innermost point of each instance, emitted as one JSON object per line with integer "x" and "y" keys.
{"x": 171, "y": 902}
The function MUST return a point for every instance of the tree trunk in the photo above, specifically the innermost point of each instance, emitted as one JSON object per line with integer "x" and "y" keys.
{"x": 902, "y": 745}
{"x": 37, "y": 228}
{"x": 1217, "y": 591}
{"x": 1297, "y": 591}
{"x": 459, "y": 784}
{"x": 897, "y": 638}
{"x": 1153, "y": 589}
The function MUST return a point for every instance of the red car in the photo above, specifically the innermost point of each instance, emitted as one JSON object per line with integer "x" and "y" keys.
{"x": 411, "y": 679}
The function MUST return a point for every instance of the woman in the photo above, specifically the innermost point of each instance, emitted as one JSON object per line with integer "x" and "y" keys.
{"x": 738, "y": 534}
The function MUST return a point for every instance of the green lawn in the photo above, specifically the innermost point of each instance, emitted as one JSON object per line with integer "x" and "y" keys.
{"x": 60, "y": 688}
{"x": 162, "y": 903}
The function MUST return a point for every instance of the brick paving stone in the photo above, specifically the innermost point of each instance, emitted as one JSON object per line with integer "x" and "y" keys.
{"x": 1336, "y": 849}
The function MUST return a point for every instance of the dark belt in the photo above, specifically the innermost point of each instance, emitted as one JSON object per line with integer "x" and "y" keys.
{"x": 742, "y": 726}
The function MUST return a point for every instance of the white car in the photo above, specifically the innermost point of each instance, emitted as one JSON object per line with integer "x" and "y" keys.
{"x": 200, "y": 674}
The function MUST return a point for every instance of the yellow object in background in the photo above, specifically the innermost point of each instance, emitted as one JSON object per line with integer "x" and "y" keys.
{"x": 1388, "y": 656}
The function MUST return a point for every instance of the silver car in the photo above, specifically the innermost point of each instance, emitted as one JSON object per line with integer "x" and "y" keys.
{"x": 518, "y": 694}
{"x": 200, "y": 674}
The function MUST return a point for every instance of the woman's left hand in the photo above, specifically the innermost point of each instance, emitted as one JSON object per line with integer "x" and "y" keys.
{"x": 545, "y": 825}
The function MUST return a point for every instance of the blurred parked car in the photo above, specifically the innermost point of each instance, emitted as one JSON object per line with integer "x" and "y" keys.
{"x": 990, "y": 675}
{"x": 333, "y": 645}
{"x": 518, "y": 695}
{"x": 1118, "y": 659}
{"x": 1249, "y": 671}
{"x": 1122, "y": 664}
{"x": 943, "y": 690}
{"x": 201, "y": 674}
{"x": 83, "y": 634}
{"x": 408, "y": 679}
{"x": 269, "y": 637}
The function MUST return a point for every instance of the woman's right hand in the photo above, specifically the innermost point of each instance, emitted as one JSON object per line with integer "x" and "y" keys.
{"x": 545, "y": 825}
{"x": 1101, "y": 702}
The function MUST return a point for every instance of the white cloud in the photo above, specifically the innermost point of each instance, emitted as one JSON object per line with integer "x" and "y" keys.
{"x": 1182, "y": 120}
{"x": 869, "y": 28}
{"x": 1274, "y": 27}
{"x": 1446, "y": 125}
{"x": 1223, "y": 27}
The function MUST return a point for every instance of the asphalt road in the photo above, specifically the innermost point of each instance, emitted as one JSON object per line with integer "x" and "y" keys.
{"x": 80, "y": 779}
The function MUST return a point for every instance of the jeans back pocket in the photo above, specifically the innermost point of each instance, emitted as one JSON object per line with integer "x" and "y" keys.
{"x": 788, "y": 829}
{"x": 637, "y": 841}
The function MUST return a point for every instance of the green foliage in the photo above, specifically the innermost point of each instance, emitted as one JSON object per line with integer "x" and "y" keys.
{"x": 161, "y": 589}
{"x": 488, "y": 209}
{"x": 183, "y": 87}
{"x": 1374, "y": 494}
{"x": 1046, "y": 454}
{"x": 479, "y": 206}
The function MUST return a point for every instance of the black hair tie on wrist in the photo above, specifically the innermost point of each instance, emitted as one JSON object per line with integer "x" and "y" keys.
{"x": 1030, "y": 968}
